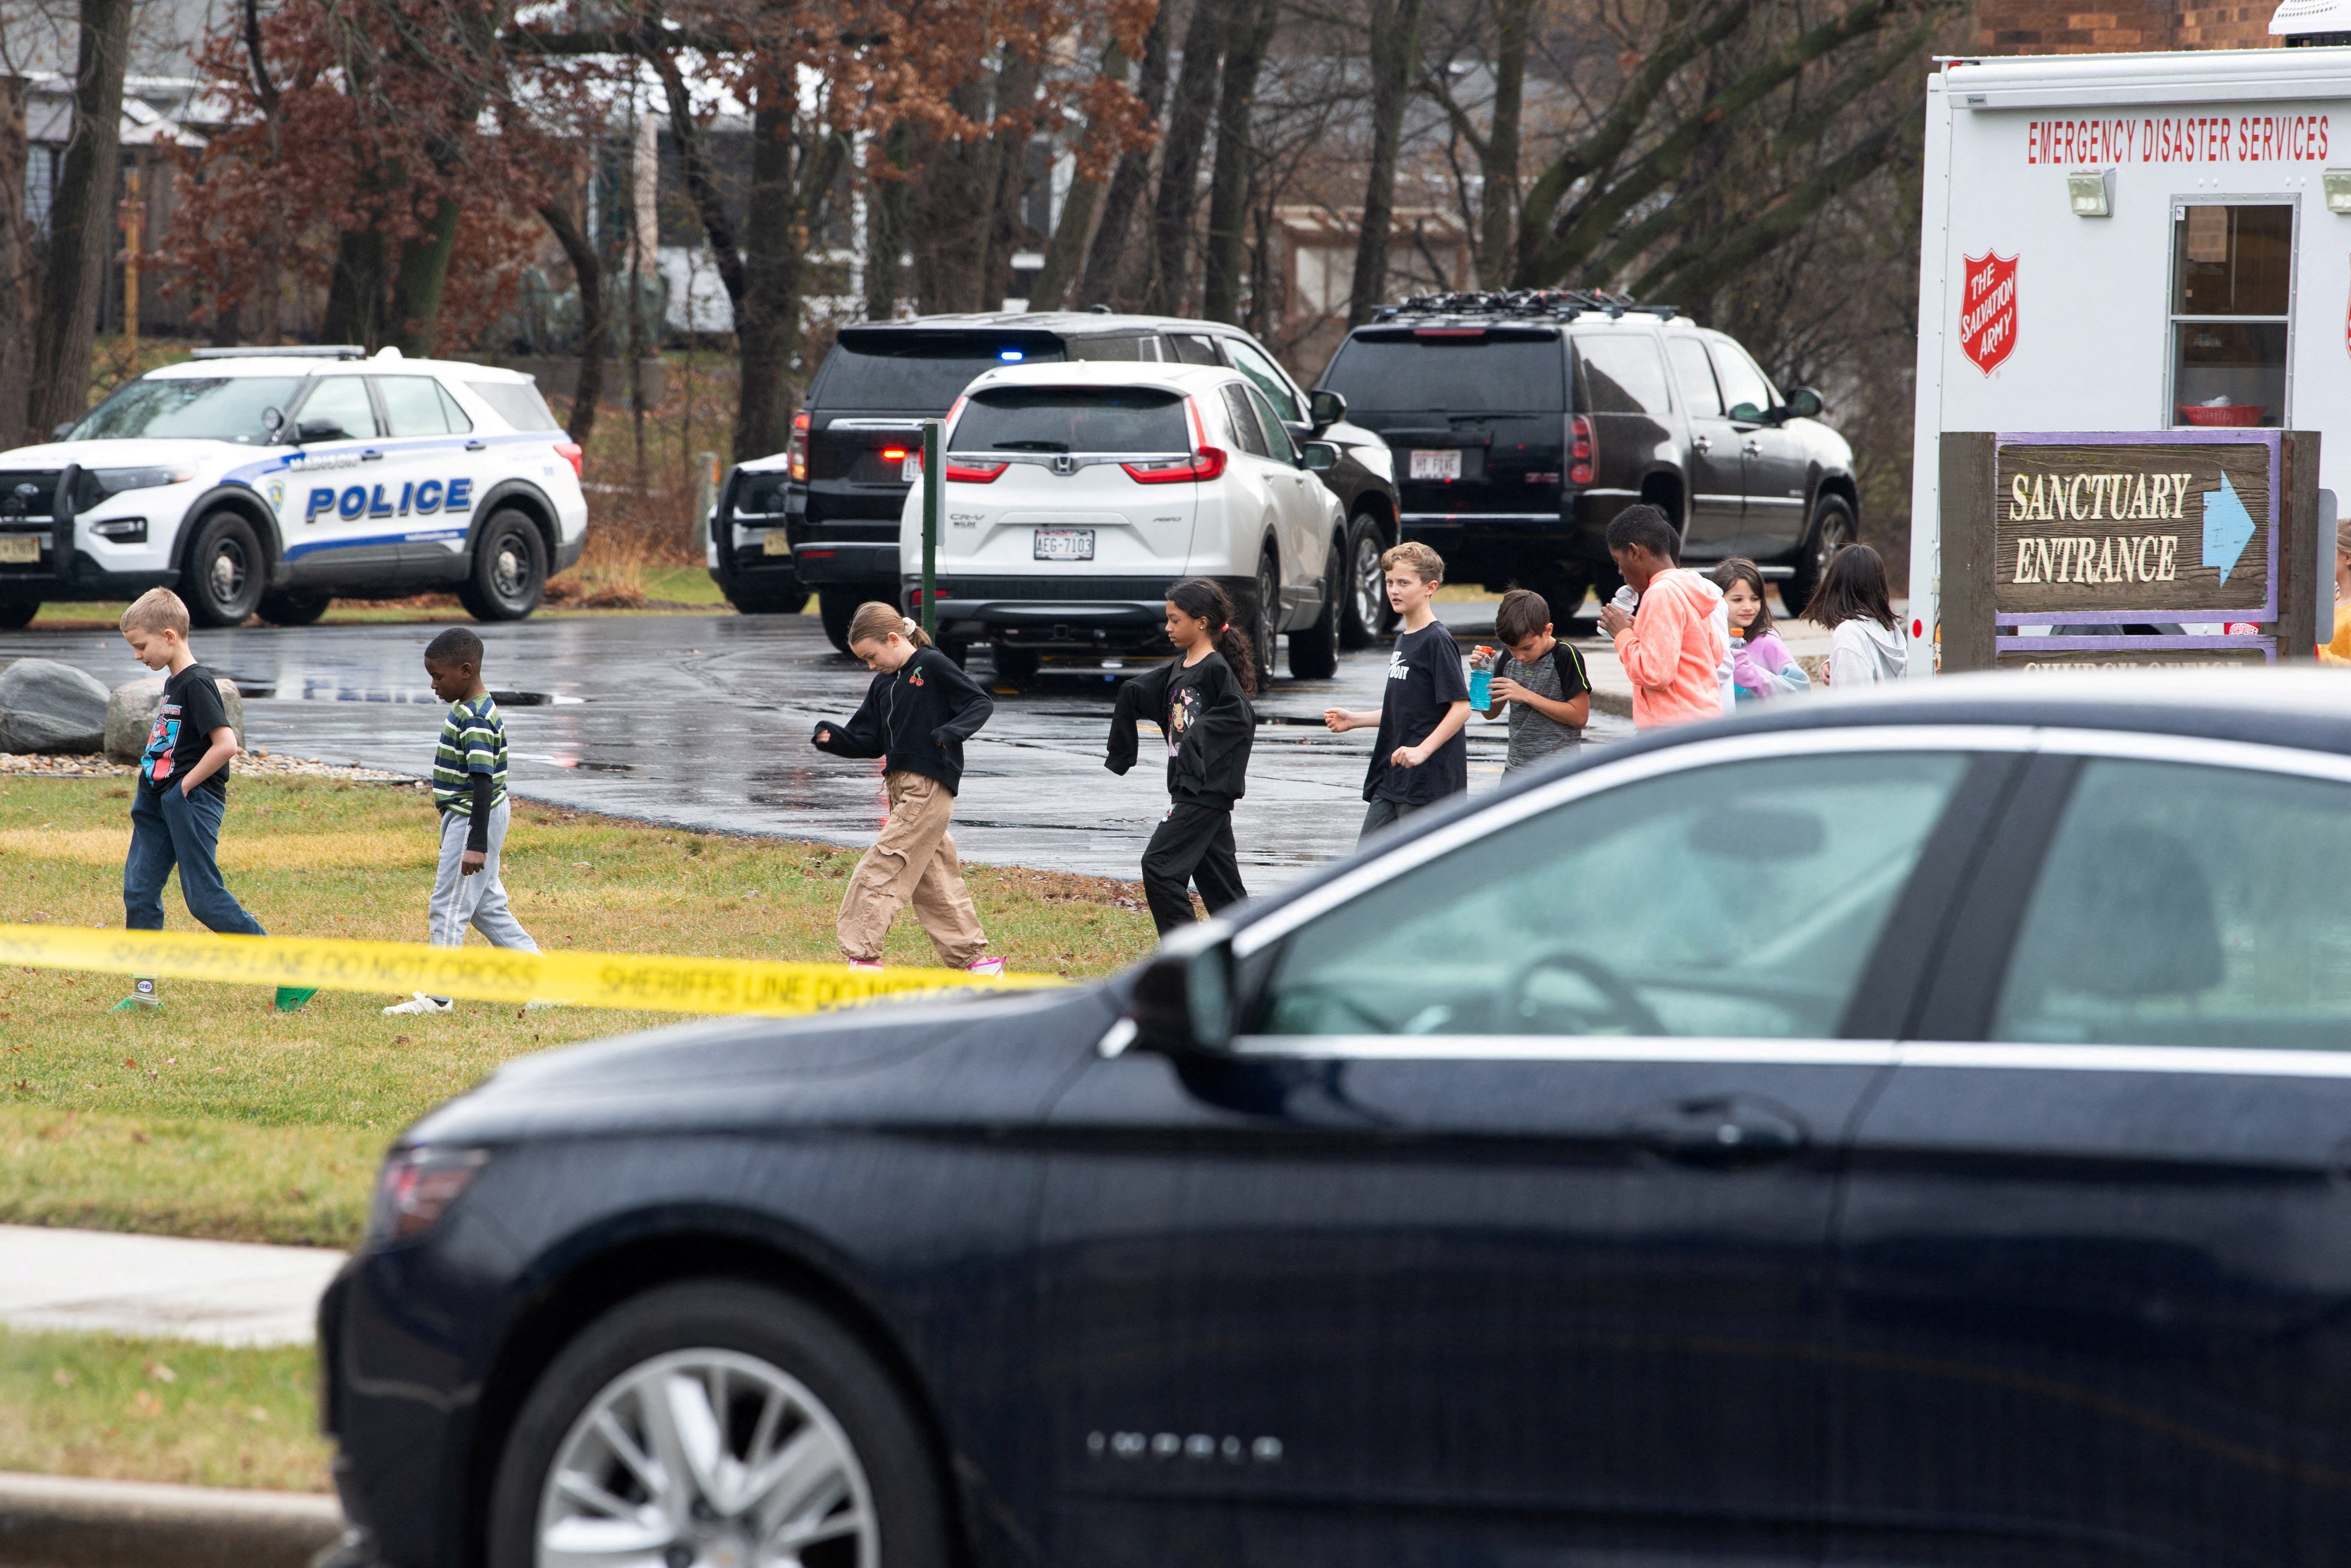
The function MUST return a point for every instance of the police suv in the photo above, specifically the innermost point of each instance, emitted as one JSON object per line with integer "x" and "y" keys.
{"x": 271, "y": 481}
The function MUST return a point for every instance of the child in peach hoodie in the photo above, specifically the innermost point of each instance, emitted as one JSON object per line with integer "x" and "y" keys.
{"x": 1678, "y": 654}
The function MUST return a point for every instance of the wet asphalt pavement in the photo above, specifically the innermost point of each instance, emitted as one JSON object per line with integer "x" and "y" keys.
{"x": 703, "y": 721}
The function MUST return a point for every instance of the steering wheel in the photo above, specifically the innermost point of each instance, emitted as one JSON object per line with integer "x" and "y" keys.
{"x": 1630, "y": 1010}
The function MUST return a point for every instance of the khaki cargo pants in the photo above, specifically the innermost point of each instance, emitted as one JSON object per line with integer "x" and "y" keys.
{"x": 914, "y": 862}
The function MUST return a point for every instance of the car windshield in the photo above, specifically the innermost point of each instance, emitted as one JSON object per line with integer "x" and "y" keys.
{"x": 1479, "y": 372}
{"x": 902, "y": 372}
{"x": 1073, "y": 419}
{"x": 197, "y": 408}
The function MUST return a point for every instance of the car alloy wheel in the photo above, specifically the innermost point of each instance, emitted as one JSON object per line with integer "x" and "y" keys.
{"x": 1367, "y": 589}
{"x": 222, "y": 578}
{"x": 510, "y": 570}
{"x": 708, "y": 1456}
{"x": 1264, "y": 629}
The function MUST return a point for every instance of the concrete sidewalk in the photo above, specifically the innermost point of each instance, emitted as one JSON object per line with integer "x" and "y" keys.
{"x": 166, "y": 1287}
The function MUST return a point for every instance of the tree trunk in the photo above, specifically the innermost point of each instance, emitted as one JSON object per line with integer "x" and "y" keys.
{"x": 81, "y": 219}
{"x": 762, "y": 316}
{"x": 17, "y": 291}
{"x": 1179, "y": 163}
{"x": 1229, "y": 185}
{"x": 355, "y": 290}
{"x": 950, "y": 211}
{"x": 885, "y": 223}
{"x": 1498, "y": 215}
{"x": 1016, "y": 94}
{"x": 1395, "y": 47}
{"x": 1069, "y": 240}
{"x": 595, "y": 323}
{"x": 1131, "y": 178}
{"x": 693, "y": 168}
{"x": 424, "y": 271}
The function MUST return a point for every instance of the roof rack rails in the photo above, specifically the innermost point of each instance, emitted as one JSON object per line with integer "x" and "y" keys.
{"x": 1536, "y": 304}
{"x": 286, "y": 351}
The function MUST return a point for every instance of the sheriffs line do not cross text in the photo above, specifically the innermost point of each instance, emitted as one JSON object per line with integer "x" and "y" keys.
{"x": 2173, "y": 139}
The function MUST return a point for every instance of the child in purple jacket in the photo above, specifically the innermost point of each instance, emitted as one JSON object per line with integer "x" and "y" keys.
{"x": 1761, "y": 664}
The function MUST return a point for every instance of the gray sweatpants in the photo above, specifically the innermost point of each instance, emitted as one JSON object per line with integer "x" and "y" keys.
{"x": 479, "y": 900}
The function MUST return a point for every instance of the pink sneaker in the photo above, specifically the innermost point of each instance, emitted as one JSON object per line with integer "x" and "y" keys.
{"x": 866, "y": 963}
{"x": 987, "y": 969}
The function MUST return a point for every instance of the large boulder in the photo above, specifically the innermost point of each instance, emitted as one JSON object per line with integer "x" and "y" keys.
{"x": 48, "y": 706}
{"x": 130, "y": 715}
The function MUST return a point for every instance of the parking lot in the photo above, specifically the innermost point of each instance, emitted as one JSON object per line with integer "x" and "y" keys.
{"x": 703, "y": 722}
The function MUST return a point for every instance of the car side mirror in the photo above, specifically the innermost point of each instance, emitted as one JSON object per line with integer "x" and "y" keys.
{"x": 1318, "y": 456}
{"x": 317, "y": 430}
{"x": 63, "y": 431}
{"x": 1746, "y": 413}
{"x": 1183, "y": 1000}
{"x": 1803, "y": 403}
{"x": 1328, "y": 408}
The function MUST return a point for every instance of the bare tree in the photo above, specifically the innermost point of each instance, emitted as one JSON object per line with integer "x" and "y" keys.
{"x": 81, "y": 218}
{"x": 1231, "y": 182}
{"x": 1394, "y": 60}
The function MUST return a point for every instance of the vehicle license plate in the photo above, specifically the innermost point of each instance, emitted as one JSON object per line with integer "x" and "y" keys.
{"x": 23, "y": 549}
{"x": 1444, "y": 463}
{"x": 775, "y": 542}
{"x": 1065, "y": 544}
{"x": 909, "y": 468}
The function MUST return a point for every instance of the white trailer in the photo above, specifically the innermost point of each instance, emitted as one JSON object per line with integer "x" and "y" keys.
{"x": 2131, "y": 242}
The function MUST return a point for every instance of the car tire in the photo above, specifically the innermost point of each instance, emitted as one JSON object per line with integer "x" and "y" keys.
{"x": 1369, "y": 616}
{"x": 18, "y": 612}
{"x": 1314, "y": 650}
{"x": 509, "y": 574}
{"x": 1015, "y": 666}
{"x": 289, "y": 608}
{"x": 868, "y": 1472}
{"x": 838, "y": 607}
{"x": 1562, "y": 588}
{"x": 773, "y": 601}
{"x": 1833, "y": 528}
{"x": 222, "y": 577}
{"x": 1264, "y": 607}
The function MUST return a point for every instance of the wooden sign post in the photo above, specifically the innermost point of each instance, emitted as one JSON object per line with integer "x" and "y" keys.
{"x": 2207, "y": 527}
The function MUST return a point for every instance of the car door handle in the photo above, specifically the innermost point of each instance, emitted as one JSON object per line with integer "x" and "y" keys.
{"x": 1754, "y": 449}
{"x": 1732, "y": 1131}
{"x": 478, "y": 446}
{"x": 1702, "y": 443}
{"x": 371, "y": 455}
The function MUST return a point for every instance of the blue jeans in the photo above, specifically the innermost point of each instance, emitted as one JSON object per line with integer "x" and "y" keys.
{"x": 169, "y": 829}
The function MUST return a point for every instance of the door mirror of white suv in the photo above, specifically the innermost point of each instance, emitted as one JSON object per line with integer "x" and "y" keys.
{"x": 1803, "y": 403}
{"x": 1318, "y": 456}
{"x": 1328, "y": 409}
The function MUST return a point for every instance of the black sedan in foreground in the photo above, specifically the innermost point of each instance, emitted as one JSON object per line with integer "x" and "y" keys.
{"x": 1902, "y": 1129}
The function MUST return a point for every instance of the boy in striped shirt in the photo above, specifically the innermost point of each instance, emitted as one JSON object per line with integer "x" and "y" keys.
{"x": 469, "y": 788}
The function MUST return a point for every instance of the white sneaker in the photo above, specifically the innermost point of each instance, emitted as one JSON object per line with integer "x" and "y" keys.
{"x": 987, "y": 969}
{"x": 420, "y": 1003}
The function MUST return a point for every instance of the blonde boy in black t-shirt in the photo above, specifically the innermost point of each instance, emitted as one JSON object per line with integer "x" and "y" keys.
{"x": 1420, "y": 756}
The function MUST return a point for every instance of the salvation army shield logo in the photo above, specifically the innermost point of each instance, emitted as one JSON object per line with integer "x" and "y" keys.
{"x": 1988, "y": 310}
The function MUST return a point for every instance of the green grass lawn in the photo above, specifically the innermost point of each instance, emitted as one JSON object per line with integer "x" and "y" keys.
{"x": 214, "y": 1115}
{"x": 160, "y": 1410}
{"x": 667, "y": 587}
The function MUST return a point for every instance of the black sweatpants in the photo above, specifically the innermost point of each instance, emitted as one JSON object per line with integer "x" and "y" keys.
{"x": 1195, "y": 844}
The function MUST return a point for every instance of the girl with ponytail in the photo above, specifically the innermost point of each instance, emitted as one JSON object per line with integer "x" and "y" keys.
{"x": 916, "y": 715}
{"x": 1199, "y": 699}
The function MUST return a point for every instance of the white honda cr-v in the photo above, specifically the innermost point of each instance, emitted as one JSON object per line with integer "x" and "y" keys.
{"x": 1075, "y": 494}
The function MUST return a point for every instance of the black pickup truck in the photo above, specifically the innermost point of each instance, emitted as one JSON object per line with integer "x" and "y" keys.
{"x": 822, "y": 515}
{"x": 1520, "y": 424}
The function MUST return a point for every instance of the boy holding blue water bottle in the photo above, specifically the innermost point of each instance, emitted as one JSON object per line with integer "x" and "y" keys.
{"x": 1540, "y": 682}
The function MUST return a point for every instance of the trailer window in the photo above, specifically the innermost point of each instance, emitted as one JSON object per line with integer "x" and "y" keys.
{"x": 2232, "y": 289}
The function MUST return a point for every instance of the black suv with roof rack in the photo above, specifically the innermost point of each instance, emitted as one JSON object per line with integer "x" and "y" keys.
{"x": 1521, "y": 422}
{"x": 822, "y": 514}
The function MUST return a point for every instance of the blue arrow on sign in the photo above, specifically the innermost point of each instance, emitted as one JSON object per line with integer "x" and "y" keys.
{"x": 2228, "y": 528}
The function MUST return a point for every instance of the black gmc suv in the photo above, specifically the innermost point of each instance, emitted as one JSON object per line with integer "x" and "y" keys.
{"x": 1522, "y": 423}
{"x": 823, "y": 512}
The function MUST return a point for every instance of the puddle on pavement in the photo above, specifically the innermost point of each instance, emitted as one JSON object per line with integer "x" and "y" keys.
{"x": 333, "y": 692}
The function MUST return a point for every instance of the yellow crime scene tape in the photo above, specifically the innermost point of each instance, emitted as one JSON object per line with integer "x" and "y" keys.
{"x": 650, "y": 982}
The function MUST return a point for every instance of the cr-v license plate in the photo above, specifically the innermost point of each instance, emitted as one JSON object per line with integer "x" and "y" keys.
{"x": 1064, "y": 544}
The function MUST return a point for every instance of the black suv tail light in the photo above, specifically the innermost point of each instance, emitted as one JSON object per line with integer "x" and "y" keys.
{"x": 796, "y": 449}
{"x": 1583, "y": 450}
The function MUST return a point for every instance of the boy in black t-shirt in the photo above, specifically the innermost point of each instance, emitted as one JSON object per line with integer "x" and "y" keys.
{"x": 1420, "y": 756}
{"x": 182, "y": 792}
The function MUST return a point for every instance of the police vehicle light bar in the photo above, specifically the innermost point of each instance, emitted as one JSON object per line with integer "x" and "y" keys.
{"x": 286, "y": 351}
{"x": 1537, "y": 304}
